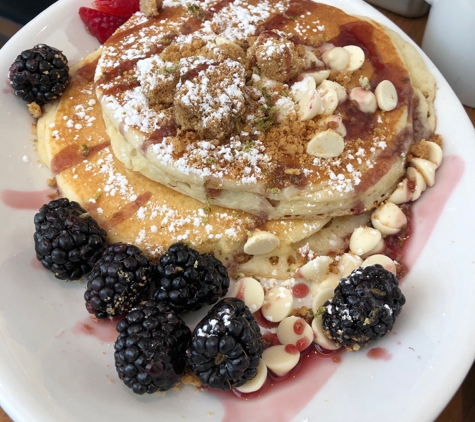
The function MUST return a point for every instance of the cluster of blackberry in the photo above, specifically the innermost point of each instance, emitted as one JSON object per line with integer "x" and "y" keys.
{"x": 154, "y": 345}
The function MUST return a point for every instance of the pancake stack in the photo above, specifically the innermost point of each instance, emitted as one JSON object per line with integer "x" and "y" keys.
{"x": 228, "y": 125}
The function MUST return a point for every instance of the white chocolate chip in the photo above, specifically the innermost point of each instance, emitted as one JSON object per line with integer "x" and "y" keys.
{"x": 316, "y": 269}
{"x": 386, "y": 95}
{"x": 366, "y": 100}
{"x": 261, "y": 242}
{"x": 388, "y": 218}
{"x": 320, "y": 337}
{"x": 426, "y": 168}
{"x": 337, "y": 58}
{"x": 322, "y": 48}
{"x": 319, "y": 75}
{"x": 329, "y": 282}
{"x": 326, "y": 144}
{"x": 257, "y": 382}
{"x": 251, "y": 292}
{"x": 301, "y": 88}
{"x": 335, "y": 86}
{"x": 347, "y": 263}
{"x": 435, "y": 153}
{"x": 335, "y": 120}
{"x": 278, "y": 303}
{"x": 356, "y": 57}
{"x": 364, "y": 239}
{"x": 379, "y": 248}
{"x": 383, "y": 260}
{"x": 284, "y": 108}
{"x": 309, "y": 105}
{"x": 295, "y": 330}
{"x": 401, "y": 194}
{"x": 280, "y": 360}
{"x": 311, "y": 60}
{"x": 319, "y": 300}
{"x": 329, "y": 99}
{"x": 418, "y": 182}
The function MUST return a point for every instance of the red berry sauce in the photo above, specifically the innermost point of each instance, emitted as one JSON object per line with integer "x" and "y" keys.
{"x": 378, "y": 353}
{"x": 27, "y": 200}
{"x": 300, "y": 290}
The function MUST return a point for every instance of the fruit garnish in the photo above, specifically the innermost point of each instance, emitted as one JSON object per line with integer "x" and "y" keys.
{"x": 150, "y": 350}
{"x": 364, "y": 307}
{"x": 68, "y": 241}
{"x": 226, "y": 346}
{"x": 123, "y": 8}
{"x": 120, "y": 280}
{"x": 100, "y": 24}
{"x": 187, "y": 280}
{"x": 40, "y": 74}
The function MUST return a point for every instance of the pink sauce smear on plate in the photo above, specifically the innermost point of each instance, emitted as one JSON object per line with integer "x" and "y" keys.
{"x": 379, "y": 353}
{"x": 279, "y": 400}
{"x": 27, "y": 200}
{"x": 426, "y": 211}
{"x": 103, "y": 330}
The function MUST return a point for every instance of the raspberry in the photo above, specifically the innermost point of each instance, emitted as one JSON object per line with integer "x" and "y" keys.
{"x": 101, "y": 25}
{"x": 123, "y": 8}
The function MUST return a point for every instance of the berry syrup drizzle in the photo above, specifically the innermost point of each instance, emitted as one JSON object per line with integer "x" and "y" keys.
{"x": 34, "y": 263}
{"x": 300, "y": 290}
{"x": 423, "y": 215}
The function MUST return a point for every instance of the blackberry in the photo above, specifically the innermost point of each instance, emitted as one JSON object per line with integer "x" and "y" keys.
{"x": 40, "y": 74}
{"x": 187, "y": 280}
{"x": 364, "y": 307}
{"x": 226, "y": 346}
{"x": 67, "y": 240}
{"x": 120, "y": 280}
{"x": 150, "y": 350}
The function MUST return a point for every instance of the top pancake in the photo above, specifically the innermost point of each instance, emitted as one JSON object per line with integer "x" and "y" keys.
{"x": 263, "y": 171}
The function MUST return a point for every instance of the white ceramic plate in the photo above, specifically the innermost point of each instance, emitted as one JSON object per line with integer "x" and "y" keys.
{"x": 51, "y": 371}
